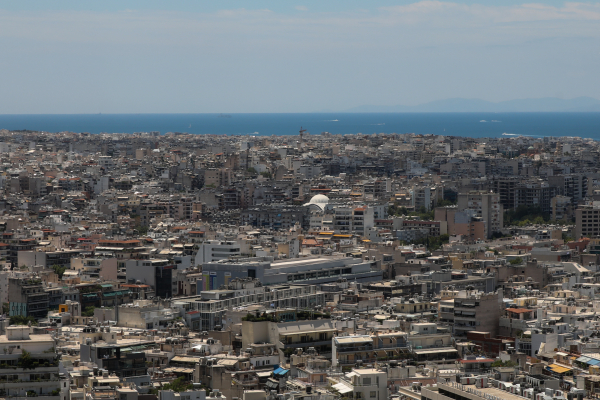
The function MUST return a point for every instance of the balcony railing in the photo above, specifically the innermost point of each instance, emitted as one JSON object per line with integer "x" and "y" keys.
{"x": 354, "y": 349}
{"x": 307, "y": 344}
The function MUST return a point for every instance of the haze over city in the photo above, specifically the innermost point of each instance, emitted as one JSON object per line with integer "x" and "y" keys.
{"x": 270, "y": 56}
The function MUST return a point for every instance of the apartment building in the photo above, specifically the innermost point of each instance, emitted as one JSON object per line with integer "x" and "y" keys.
{"x": 426, "y": 197}
{"x": 276, "y": 216}
{"x": 349, "y": 350}
{"x": 210, "y": 309}
{"x": 486, "y": 206}
{"x": 587, "y": 220}
{"x": 477, "y": 311}
{"x": 215, "y": 250}
{"x": 157, "y": 273}
{"x": 27, "y": 297}
{"x": 365, "y": 384}
{"x": 31, "y": 366}
{"x": 351, "y": 219}
{"x": 535, "y": 193}
{"x": 123, "y": 358}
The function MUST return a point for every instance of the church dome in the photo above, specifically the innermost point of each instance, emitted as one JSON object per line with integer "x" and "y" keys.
{"x": 319, "y": 199}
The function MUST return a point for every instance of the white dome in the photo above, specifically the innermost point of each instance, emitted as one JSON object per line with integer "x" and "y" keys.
{"x": 319, "y": 199}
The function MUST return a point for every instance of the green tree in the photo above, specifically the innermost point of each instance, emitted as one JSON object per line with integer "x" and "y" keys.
{"x": 524, "y": 215}
{"x": 22, "y": 320}
{"x": 88, "y": 312}
{"x": 59, "y": 270}
{"x": 433, "y": 243}
{"x": 516, "y": 261}
{"x": 178, "y": 385}
{"x": 567, "y": 238}
{"x": 501, "y": 363}
{"x": 25, "y": 361}
{"x": 446, "y": 203}
{"x": 396, "y": 211}
{"x": 423, "y": 214}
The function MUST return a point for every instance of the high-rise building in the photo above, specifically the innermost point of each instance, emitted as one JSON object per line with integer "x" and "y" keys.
{"x": 426, "y": 197}
{"x": 587, "y": 220}
{"x": 486, "y": 206}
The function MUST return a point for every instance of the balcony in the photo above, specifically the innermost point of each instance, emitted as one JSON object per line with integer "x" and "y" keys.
{"x": 354, "y": 349}
{"x": 17, "y": 384}
{"x": 307, "y": 344}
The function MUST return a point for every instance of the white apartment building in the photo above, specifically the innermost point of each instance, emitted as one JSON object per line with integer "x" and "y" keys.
{"x": 365, "y": 384}
{"x": 32, "y": 366}
{"x": 215, "y": 250}
{"x": 353, "y": 219}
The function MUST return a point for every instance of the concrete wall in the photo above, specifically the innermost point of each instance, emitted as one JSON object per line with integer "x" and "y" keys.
{"x": 255, "y": 332}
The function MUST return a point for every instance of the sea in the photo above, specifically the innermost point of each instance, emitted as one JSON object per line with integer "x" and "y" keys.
{"x": 579, "y": 124}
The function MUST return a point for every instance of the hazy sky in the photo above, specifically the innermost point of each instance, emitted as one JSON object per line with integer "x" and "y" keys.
{"x": 283, "y": 56}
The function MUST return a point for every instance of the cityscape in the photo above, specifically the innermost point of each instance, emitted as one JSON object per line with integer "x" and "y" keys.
{"x": 299, "y": 200}
{"x": 303, "y": 266}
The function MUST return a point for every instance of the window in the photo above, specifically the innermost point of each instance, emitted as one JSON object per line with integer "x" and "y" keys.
{"x": 366, "y": 381}
{"x": 373, "y": 395}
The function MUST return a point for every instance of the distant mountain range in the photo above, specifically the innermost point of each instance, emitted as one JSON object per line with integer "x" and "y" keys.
{"x": 548, "y": 104}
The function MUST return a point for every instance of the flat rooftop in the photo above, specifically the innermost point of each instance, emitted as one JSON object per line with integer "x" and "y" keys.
{"x": 478, "y": 392}
{"x": 32, "y": 339}
{"x": 306, "y": 261}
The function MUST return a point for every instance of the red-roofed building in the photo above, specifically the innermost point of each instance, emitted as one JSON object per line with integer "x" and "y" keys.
{"x": 475, "y": 364}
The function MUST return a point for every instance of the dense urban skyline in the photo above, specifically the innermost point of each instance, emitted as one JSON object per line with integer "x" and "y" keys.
{"x": 169, "y": 232}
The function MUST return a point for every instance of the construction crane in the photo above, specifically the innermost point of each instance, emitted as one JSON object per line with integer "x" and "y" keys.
{"x": 301, "y": 134}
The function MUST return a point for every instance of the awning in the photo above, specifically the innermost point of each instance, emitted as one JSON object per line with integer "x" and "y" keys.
{"x": 593, "y": 361}
{"x": 353, "y": 340}
{"x": 176, "y": 370}
{"x": 272, "y": 384}
{"x": 183, "y": 359}
{"x": 280, "y": 371}
{"x": 583, "y": 359}
{"x": 342, "y": 388}
{"x": 559, "y": 369}
{"x": 118, "y": 293}
{"x": 227, "y": 362}
{"x": 435, "y": 351}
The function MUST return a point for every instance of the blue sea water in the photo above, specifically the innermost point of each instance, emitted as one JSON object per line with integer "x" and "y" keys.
{"x": 586, "y": 125}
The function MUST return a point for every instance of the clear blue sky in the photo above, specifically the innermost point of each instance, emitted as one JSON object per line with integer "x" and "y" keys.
{"x": 289, "y": 56}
